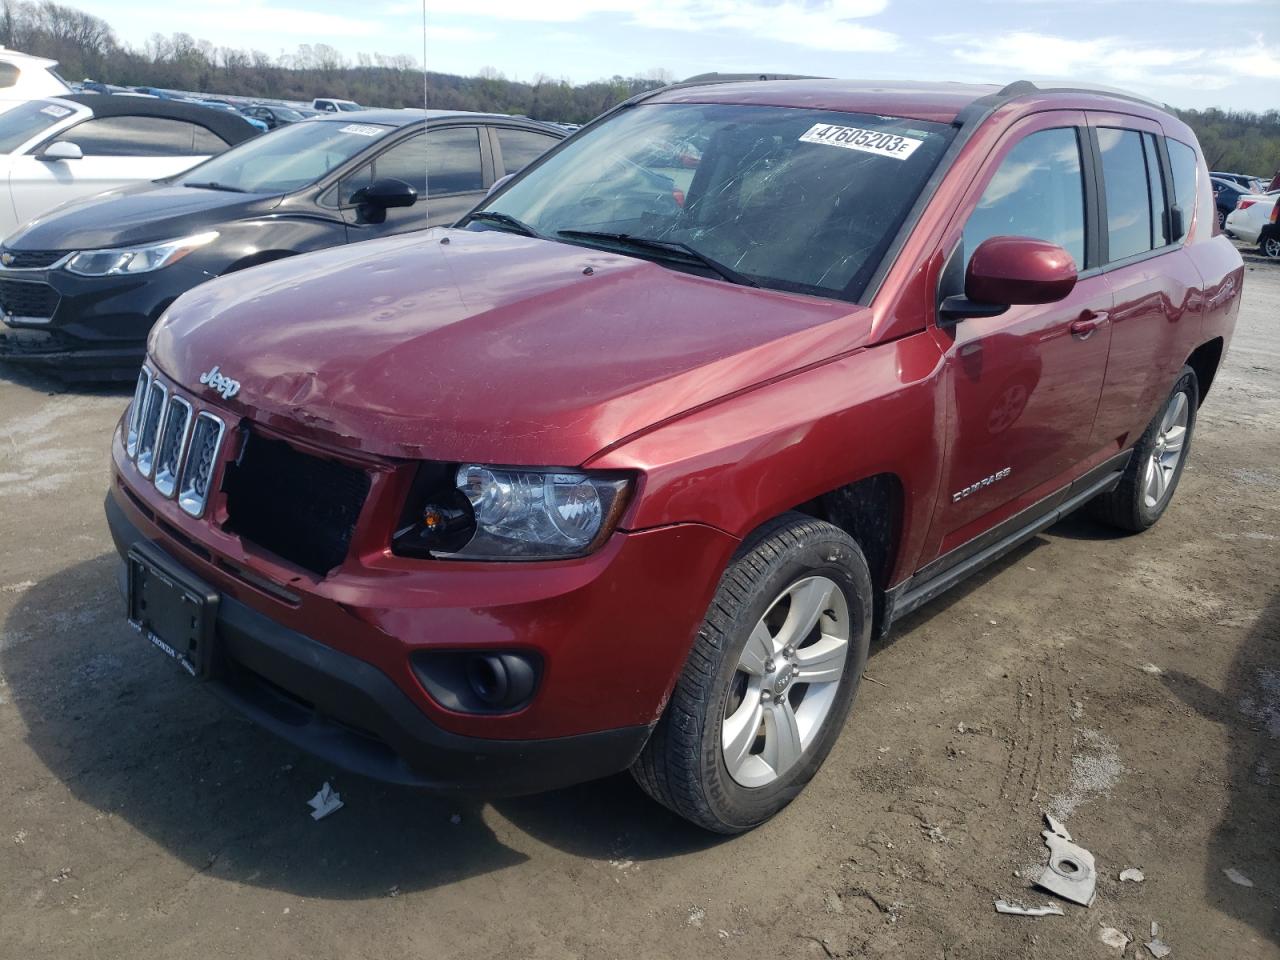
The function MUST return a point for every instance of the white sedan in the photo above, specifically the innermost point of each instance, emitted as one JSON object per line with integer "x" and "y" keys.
{"x": 1251, "y": 214}
{"x": 62, "y": 148}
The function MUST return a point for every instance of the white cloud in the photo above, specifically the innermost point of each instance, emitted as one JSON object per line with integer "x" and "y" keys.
{"x": 819, "y": 24}
{"x": 1111, "y": 59}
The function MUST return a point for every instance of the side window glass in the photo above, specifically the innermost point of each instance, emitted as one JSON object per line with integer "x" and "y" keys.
{"x": 1038, "y": 192}
{"x": 521, "y": 147}
{"x": 453, "y": 161}
{"x": 207, "y": 143}
{"x": 1155, "y": 182}
{"x": 405, "y": 161}
{"x": 1124, "y": 172}
{"x": 134, "y": 137}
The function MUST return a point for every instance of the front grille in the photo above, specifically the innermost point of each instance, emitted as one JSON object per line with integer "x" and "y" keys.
{"x": 151, "y": 412}
{"x": 28, "y": 298}
{"x": 301, "y": 507}
{"x": 32, "y": 259}
{"x": 172, "y": 444}
{"x": 202, "y": 455}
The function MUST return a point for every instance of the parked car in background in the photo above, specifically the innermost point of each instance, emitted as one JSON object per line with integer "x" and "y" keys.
{"x": 272, "y": 115}
{"x": 627, "y": 470}
{"x": 85, "y": 283}
{"x": 58, "y": 149}
{"x": 1226, "y": 197}
{"x": 258, "y": 124}
{"x": 23, "y": 77}
{"x": 1249, "y": 184}
{"x": 333, "y": 105}
{"x": 1254, "y": 221}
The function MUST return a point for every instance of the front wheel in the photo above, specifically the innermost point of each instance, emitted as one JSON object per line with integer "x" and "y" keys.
{"x": 769, "y": 682}
{"x": 1156, "y": 465}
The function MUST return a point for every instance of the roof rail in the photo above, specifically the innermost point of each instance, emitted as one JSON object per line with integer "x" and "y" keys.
{"x": 1020, "y": 88}
{"x": 747, "y": 77}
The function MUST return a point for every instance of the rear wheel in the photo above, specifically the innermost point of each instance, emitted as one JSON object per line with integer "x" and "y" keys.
{"x": 1222, "y": 219}
{"x": 1270, "y": 247}
{"x": 1156, "y": 465}
{"x": 769, "y": 682}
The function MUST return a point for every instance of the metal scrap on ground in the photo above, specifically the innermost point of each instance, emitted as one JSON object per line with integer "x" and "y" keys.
{"x": 325, "y": 802}
{"x": 1157, "y": 947}
{"x": 1071, "y": 873}
{"x": 1019, "y": 910}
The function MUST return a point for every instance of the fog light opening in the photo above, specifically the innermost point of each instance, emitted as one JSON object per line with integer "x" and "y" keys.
{"x": 489, "y": 679}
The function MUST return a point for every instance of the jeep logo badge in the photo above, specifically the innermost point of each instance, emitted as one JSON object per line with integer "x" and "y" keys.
{"x": 7, "y": 258}
{"x": 219, "y": 382}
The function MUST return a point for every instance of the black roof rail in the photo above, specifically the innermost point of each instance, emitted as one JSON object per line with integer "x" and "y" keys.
{"x": 747, "y": 77}
{"x": 1020, "y": 88}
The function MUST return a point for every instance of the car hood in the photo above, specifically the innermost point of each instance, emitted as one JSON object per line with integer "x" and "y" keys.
{"x": 458, "y": 345}
{"x": 137, "y": 213}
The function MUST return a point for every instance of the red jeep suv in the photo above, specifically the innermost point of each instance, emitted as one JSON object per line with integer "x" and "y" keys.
{"x": 629, "y": 467}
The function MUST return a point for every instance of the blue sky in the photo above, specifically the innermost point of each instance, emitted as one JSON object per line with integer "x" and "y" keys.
{"x": 1191, "y": 53}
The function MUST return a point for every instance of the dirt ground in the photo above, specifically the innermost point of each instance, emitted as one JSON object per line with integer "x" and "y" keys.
{"x": 1131, "y": 685}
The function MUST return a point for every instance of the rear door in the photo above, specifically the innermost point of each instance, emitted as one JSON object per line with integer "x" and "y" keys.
{"x": 451, "y": 168}
{"x": 1025, "y": 384}
{"x": 1155, "y": 321}
{"x": 117, "y": 151}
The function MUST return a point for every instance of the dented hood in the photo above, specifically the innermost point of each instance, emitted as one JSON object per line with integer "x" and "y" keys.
{"x": 459, "y": 345}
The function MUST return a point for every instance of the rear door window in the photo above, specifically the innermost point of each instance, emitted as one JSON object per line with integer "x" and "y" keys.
{"x": 521, "y": 147}
{"x": 1037, "y": 192}
{"x": 1124, "y": 173}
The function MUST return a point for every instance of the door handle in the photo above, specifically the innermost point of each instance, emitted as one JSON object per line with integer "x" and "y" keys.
{"x": 1082, "y": 327}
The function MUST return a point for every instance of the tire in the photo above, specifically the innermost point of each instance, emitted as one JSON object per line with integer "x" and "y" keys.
{"x": 1131, "y": 505}
{"x": 1270, "y": 247}
{"x": 782, "y": 570}
{"x": 1222, "y": 220}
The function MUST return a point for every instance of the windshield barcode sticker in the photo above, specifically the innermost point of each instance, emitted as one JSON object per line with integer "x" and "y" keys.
{"x": 361, "y": 129}
{"x": 867, "y": 141}
{"x": 54, "y": 110}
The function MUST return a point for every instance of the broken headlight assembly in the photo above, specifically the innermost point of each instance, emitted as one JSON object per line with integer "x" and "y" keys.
{"x": 478, "y": 512}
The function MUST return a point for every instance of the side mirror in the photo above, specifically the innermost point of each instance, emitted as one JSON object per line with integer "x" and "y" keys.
{"x": 497, "y": 185}
{"x": 61, "y": 150}
{"x": 381, "y": 195}
{"x": 1005, "y": 271}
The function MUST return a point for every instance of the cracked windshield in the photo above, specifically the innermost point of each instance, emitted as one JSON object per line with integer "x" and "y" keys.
{"x": 792, "y": 199}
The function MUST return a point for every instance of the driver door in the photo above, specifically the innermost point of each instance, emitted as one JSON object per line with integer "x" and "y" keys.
{"x": 449, "y": 167}
{"x": 1024, "y": 385}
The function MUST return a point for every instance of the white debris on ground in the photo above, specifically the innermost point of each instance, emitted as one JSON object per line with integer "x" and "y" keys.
{"x": 325, "y": 802}
{"x": 696, "y": 916}
{"x": 1112, "y": 937}
{"x": 1132, "y": 874}
{"x": 1155, "y": 946}
{"x": 1151, "y": 668}
{"x": 1235, "y": 876}
{"x": 1013, "y": 908}
{"x": 1070, "y": 873}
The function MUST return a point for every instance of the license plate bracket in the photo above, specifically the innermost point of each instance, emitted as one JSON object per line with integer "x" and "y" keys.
{"x": 175, "y": 611}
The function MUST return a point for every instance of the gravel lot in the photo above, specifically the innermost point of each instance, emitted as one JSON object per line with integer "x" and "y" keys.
{"x": 1131, "y": 685}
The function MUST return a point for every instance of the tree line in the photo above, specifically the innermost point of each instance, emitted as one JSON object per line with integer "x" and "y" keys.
{"x": 87, "y": 47}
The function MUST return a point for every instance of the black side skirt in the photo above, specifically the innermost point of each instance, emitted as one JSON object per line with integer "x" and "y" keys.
{"x": 942, "y": 574}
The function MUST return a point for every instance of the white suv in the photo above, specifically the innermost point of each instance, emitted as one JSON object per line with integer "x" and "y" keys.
{"x": 23, "y": 77}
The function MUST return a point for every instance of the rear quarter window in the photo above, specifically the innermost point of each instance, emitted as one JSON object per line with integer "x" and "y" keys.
{"x": 1182, "y": 162}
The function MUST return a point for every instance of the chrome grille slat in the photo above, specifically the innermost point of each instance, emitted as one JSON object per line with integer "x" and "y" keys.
{"x": 202, "y": 457}
{"x": 151, "y": 414}
{"x": 172, "y": 445}
{"x": 135, "y": 411}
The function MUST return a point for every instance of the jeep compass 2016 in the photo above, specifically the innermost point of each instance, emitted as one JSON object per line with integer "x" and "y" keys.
{"x": 628, "y": 468}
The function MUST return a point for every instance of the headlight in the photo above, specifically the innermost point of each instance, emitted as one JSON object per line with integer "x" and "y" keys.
{"x": 144, "y": 259}
{"x": 500, "y": 513}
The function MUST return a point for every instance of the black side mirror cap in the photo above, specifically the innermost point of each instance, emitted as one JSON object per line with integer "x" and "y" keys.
{"x": 376, "y": 199}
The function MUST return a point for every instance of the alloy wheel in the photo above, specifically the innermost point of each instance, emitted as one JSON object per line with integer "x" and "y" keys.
{"x": 1271, "y": 247}
{"x": 786, "y": 681}
{"x": 1170, "y": 443}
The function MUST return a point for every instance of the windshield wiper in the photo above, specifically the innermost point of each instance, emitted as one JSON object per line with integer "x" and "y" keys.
{"x": 513, "y": 224}
{"x": 211, "y": 185}
{"x": 673, "y": 250}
